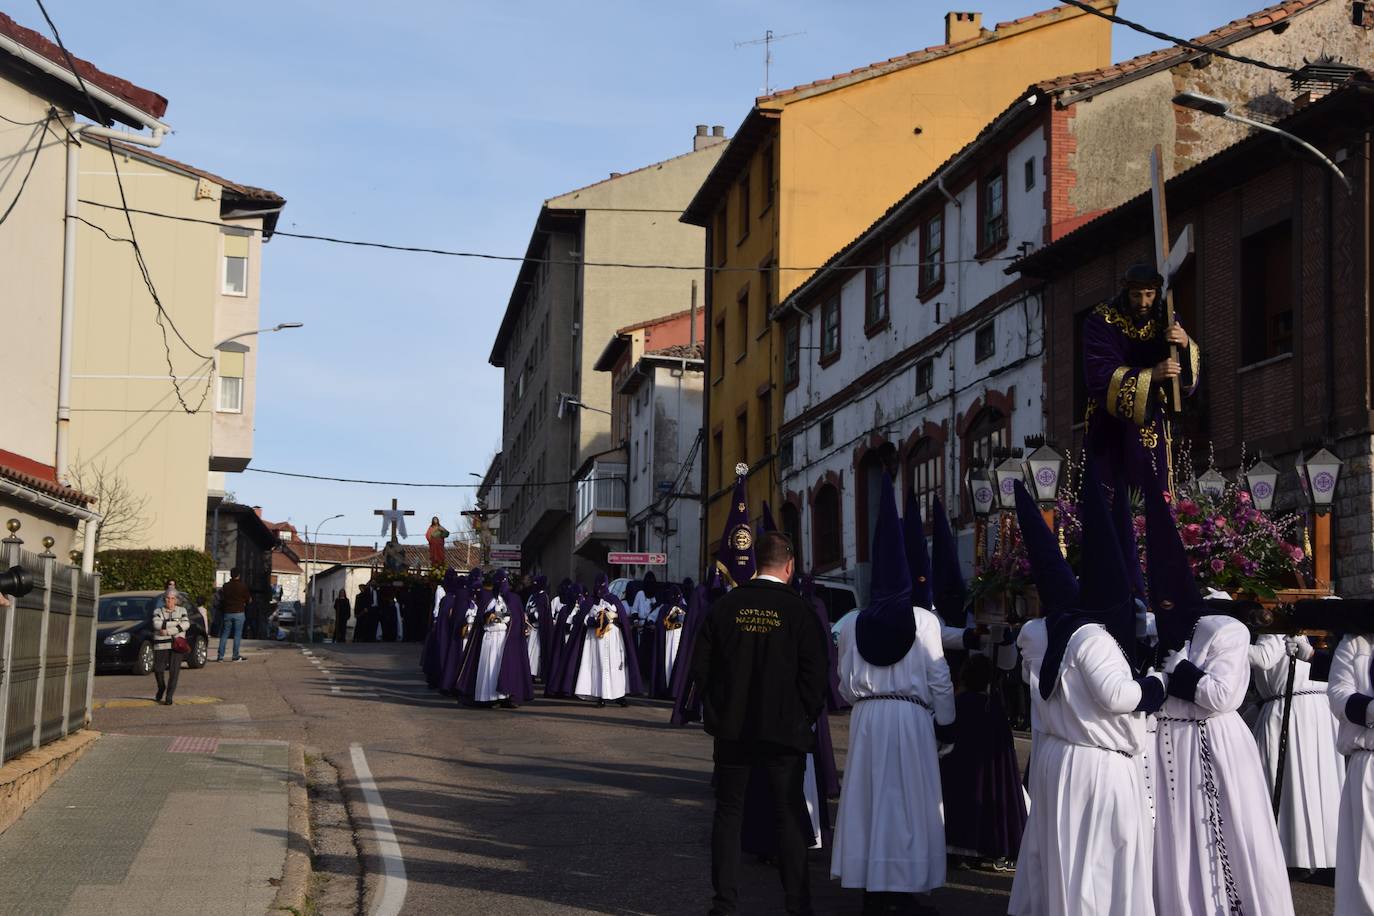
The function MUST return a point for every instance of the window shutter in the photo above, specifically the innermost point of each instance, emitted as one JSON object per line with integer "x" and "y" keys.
{"x": 235, "y": 246}
{"x": 230, "y": 364}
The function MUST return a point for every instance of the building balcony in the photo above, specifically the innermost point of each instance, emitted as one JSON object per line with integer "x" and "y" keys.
{"x": 599, "y": 499}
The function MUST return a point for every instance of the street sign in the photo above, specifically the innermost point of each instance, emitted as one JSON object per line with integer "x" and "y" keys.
{"x": 505, "y": 564}
{"x": 505, "y": 552}
{"x": 638, "y": 559}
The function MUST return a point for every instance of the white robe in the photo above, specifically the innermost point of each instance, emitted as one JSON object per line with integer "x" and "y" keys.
{"x": 1350, "y": 674}
{"x": 1314, "y": 772}
{"x": 493, "y": 648}
{"x": 1087, "y": 848}
{"x": 532, "y": 646}
{"x": 469, "y": 619}
{"x": 601, "y": 672}
{"x": 1189, "y": 877}
{"x": 890, "y": 829}
{"x": 672, "y": 640}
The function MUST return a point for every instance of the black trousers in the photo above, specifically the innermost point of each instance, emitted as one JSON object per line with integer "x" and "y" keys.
{"x": 170, "y": 662}
{"x": 340, "y": 626}
{"x": 784, "y": 770}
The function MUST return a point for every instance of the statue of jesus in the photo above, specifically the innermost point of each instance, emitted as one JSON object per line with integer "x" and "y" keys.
{"x": 1126, "y": 366}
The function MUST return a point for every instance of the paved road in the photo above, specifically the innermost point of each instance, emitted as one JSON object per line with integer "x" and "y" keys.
{"x": 557, "y": 807}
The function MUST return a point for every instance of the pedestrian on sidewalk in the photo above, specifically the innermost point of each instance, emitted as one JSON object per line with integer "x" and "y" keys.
{"x": 761, "y": 662}
{"x": 341, "y": 614}
{"x": 233, "y": 610}
{"x": 169, "y": 622}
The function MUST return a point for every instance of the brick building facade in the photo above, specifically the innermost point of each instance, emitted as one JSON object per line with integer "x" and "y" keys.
{"x": 1277, "y": 293}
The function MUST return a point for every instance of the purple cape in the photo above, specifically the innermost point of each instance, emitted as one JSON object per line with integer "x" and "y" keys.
{"x": 435, "y": 651}
{"x": 686, "y": 699}
{"x": 984, "y": 809}
{"x": 560, "y": 684}
{"x": 572, "y": 660}
{"x": 514, "y": 676}
{"x": 452, "y": 614}
{"x": 544, "y": 617}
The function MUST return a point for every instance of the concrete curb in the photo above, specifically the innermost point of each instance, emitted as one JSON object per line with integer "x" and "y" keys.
{"x": 24, "y": 779}
{"x": 295, "y": 875}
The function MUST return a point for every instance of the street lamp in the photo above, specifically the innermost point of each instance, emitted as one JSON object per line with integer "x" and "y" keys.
{"x": 1212, "y": 484}
{"x": 1261, "y": 480}
{"x": 1320, "y": 472}
{"x": 1220, "y": 108}
{"x": 284, "y": 326}
{"x": 978, "y": 485}
{"x": 310, "y": 598}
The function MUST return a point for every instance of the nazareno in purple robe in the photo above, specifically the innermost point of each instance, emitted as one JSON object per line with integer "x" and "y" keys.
{"x": 435, "y": 650}
{"x": 634, "y": 684}
{"x": 544, "y": 616}
{"x": 477, "y": 597}
{"x": 686, "y": 698}
{"x": 1128, "y": 428}
{"x": 985, "y": 809}
{"x": 455, "y": 606}
{"x": 514, "y": 676}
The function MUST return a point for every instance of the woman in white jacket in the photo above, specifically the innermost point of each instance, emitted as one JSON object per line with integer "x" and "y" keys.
{"x": 169, "y": 622}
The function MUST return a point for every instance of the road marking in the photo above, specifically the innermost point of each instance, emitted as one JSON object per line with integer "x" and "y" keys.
{"x": 392, "y": 894}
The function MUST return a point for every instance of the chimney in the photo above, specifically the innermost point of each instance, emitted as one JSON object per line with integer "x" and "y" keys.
{"x": 257, "y": 510}
{"x": 962, "y": 26}
{"x": 702, "y": 140}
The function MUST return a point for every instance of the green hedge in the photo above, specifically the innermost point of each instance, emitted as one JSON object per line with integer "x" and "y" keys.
{"x": 139, "y": 570}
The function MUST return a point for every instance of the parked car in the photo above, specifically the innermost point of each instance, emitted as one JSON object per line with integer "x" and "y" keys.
{"x": 124, "y": 632}
{"x": 287, "y": 614}
{"x": 841, "y": 602}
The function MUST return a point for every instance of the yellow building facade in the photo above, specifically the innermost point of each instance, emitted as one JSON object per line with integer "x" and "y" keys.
{"x": 808, "y": 170}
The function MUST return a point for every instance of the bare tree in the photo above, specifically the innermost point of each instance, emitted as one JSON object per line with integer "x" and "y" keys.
{"x": 122, "y": 508}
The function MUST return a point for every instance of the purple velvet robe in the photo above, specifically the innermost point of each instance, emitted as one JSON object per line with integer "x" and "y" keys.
{"x": 1128, "y": 427}
{"x": 514, "y": 677}
{"x": 686, "y": 698}
{"x": 572, "y": 658}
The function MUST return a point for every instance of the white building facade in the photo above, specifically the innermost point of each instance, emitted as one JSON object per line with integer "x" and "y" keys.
{"x": 914, "y": 349}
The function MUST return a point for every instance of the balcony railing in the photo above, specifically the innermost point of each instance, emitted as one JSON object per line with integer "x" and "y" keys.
{"x": 600, "y": 496}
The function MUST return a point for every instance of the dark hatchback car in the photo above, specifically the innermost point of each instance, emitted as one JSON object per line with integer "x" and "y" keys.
{"x": 124, "y": 632}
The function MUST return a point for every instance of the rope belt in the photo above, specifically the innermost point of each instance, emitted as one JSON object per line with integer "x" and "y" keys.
{"x": 1214, "y": 817}
{"x": 1296, "y": 693}
{"x": 906, "y": 697}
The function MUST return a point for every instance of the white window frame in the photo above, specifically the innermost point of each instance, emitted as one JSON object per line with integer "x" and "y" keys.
{"x": 219, "y": 395}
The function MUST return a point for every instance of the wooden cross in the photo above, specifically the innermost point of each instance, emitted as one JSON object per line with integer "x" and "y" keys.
{"x": 393, "y": 518}
{"x": 1168, "y": 261}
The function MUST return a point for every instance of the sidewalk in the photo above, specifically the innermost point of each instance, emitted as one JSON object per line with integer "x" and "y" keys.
{"x": 148, "y": 824}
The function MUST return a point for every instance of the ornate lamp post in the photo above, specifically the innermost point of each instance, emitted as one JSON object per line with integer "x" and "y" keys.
{"x": 980, "y": 489}
{"x": 1212, "y": 484}
{"x": 1262, "y": 481}
{"x": 1044, "y": 467}
{"x": 1320, "y": 472}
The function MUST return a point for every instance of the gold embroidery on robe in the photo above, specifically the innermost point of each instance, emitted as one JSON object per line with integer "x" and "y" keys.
{"x": 1141, "y": 402}
{"x": 1147, "y": 331}
{"x": 1114, "y": 390}
{"x": 1149, "y": 437}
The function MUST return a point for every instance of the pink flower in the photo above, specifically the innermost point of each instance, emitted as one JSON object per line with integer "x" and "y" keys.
{"x": 1297, "y": 554}
{"x": 1243, "y": 497}
{"x": 1192, "y": 533}
{"x": 1218, "y": 565}
{"x": 1219, "y": 521}
{"x": 1187, "y": 507}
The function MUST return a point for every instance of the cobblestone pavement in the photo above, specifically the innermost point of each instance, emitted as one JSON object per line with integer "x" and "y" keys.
{"x": 554, "y": 808}
{"x": 142, "y": 825}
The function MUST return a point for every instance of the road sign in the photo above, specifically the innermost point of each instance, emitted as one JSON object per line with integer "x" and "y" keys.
{"x": 505, "y": 552}
{"x": 505, "y": 564}
{"x": 638, "y": 559}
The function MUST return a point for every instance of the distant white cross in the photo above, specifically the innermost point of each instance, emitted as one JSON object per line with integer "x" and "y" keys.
{"x": 395, "y": 519}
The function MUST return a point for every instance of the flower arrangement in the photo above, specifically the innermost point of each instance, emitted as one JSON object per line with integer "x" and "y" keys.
{"x": 1231, "y": 545}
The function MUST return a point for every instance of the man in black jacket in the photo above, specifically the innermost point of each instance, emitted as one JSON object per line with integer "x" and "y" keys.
{"x": 761, "y": 660}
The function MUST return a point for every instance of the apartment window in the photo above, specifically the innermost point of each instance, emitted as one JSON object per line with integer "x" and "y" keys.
{"x": 766, "y": 271}
{"x": 875, "y": 308}
{"x": 742, "y": 320}
{"x": 769, "y": 179}
{"x": 992, "y": 211}
{"x": 1030, "y": 173}
{"x": 742, "y": 435}
{"x": 644, "y": 452}
{"x": 634, "y": 462}
{"x": 744, "y": 214}
{"x": 785, "y": 453}
{"x": 925, "y": 472}
{"x": 718, "y": 348}
{"x": 1266, "y": 314}
{"x": 791, "y": 354}
{"x": 722, "y": 217}
{"x": 826, "y": 534}
{"x": 827, "y": 432}
{"x": 986, "y": 435}
{"x": 925, "y": 375}
{"x": 230, "y": 399}
{"x": 932, "y": 252}
{"x": 830, "y": 329}
{"x": 235, "y": 264}
{"x": 985, "y": 342}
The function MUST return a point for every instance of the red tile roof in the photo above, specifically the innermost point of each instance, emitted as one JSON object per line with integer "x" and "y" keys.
{"x": 654, "y": 322}
{"x": 45, "y": 486}
{"x": 680, "y": 351}
{"x": 144, "y": 100}
{"x": 1219, "y": 37}
{"x": 934, "y": 51}
{"x": 234, "y": 187}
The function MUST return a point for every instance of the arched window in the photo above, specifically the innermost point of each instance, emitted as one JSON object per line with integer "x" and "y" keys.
{"x": 791, "y": 526}
{"x": 869, "y": 479}
{"x": 826, "y": 535}
{"x": 925, "y": 473}
{"x": 987, "y": 433}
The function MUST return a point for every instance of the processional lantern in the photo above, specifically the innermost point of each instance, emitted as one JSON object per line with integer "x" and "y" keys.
{"x": 1043, "y": 467}
{"x": 1321, "y": 471}
{"x": 1262, "y": 482}
{"x": 979, "y": 486}
{"x": 1212, "y": 484}
{"x": 1007, "y": 473}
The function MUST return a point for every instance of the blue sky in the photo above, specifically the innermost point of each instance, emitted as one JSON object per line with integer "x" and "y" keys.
{"x": 446, "y": 124}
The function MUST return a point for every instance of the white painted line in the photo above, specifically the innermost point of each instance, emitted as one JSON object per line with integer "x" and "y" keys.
{"x": 333, "y": 688}
{"x": 392, "y": 894}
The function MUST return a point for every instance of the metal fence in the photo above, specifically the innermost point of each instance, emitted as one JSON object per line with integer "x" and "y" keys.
{"x": 48, "y": 642}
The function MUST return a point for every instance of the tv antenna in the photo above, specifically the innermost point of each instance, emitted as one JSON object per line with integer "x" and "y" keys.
{"x": 767, "y": 42}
